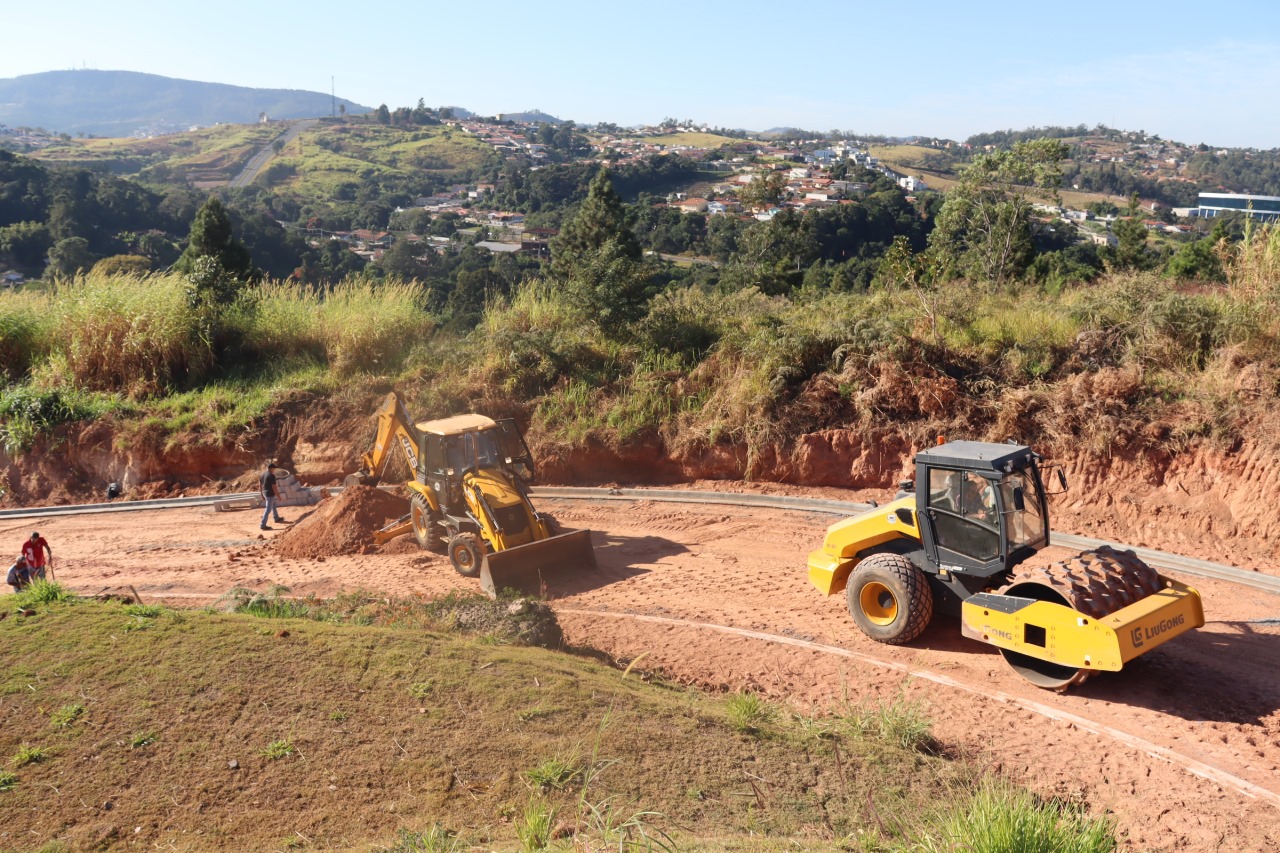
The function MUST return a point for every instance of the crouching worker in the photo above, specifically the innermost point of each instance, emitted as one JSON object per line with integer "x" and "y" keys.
{"x": 19, "y": 576}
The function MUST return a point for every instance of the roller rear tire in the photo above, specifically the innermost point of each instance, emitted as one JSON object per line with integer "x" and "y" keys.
{"x": 889, "y": 598}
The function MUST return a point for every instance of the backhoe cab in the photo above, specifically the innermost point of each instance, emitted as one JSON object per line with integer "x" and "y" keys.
{"x": 952, "y": 543}
{"x": 470, "y": 494}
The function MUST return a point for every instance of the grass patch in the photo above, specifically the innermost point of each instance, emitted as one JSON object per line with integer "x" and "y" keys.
{"x": 559, "y": 773}
{"x": 140, "y": 740}
{"x": 28, "y": 755}
{"x": 998, "y": 818}
{"x": 749, "y": 713}
{"x": 437, "y": 839}
{"x": 903, "y": 722}
{"x": 215, "y": 683}
{"x": 534, "y": 827}
{"x": 8, "y": 781}
{"x": 64, "y": 717}
{"x": 40, "y": 592}
{"x": 278, "y": 749}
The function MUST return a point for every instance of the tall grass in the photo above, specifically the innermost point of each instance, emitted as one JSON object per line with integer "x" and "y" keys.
{"x": 25, "y": 333}
{"x": 135, "y": 335}
{"x": 999, "y": 818}
{"x": 355, "y": 327}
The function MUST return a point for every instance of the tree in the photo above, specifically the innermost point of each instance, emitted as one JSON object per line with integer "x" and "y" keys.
{"x": 1196, "y": 260}
{"x": 118, "y": 266}
{"x": 26, "y": 242}
{"x": 765, "y": 191}
{"x": 985, "y": 225}
{"x": 1130, "y": 251}
{"x": 611, "y": 287}
{"x": 69, "y": 256}
{"x": 212, "y": 236}
{"x": 382, "y": 115}
{"x": 601, "y": 219}
{"x": 407, "y": 261}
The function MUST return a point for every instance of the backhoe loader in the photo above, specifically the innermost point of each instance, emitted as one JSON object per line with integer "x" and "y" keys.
{"x": 954, "y": 542}
{"x": 469, "y": 493}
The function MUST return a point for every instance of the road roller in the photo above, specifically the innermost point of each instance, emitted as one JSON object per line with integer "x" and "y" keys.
{"x": 955, "y": 540}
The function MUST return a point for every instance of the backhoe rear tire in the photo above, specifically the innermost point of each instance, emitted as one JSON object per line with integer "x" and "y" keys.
{"x": 889, "y": 598}
{"x": 426, "y": 527}
{"x": 466, "y": 552}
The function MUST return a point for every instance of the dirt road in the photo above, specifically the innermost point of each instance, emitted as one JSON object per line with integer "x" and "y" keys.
{"x": 1145, "y": 743}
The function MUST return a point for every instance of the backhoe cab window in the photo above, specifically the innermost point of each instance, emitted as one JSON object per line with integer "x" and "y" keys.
{"x": 471, "y": 450}
{"x": 965, "y": 517}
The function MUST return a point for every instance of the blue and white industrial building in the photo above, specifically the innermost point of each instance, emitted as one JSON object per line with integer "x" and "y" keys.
{"x": 1257, "y": 206}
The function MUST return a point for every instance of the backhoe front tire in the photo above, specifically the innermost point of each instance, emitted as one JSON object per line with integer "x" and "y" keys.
{"x": 426, "y": 527}
{"x": 889, "y": 598}
{"x": 466, "y": 552}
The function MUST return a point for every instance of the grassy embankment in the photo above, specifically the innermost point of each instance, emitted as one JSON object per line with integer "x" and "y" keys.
{"x": 327, "y": 156}
{"x": 1131, "y": 360}
{"x": 371, "y": 726}
{"x": 692, "y": 140}
{"x": 315, "y": 164}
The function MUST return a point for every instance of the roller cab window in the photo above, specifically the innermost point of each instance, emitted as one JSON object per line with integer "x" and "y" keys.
{"x": 966, "y": 520}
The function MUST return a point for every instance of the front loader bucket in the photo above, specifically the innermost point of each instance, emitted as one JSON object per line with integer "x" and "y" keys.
{"x": 533, "y": 568}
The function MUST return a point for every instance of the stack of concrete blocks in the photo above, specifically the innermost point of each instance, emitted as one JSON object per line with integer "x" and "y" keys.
{"x": 293, "y": 493}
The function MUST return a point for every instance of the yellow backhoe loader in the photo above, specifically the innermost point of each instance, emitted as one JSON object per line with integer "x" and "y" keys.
{"x": 469, "y": 493}
{"x": 953, "y": 542}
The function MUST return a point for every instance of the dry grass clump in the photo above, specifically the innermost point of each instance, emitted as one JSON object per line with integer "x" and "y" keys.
{"x": 354, "y": 327}
{"x": 24, "y": 333}
{"x": 136, "y": 335}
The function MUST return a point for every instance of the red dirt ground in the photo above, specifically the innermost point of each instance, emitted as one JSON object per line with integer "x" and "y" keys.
{"x": 1209, "y": 697}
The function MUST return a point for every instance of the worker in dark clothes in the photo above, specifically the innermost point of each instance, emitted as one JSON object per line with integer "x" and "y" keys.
{"x": 270, "y": 494}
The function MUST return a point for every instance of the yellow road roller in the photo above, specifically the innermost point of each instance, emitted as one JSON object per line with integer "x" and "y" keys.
{"x": 954, "y": 542}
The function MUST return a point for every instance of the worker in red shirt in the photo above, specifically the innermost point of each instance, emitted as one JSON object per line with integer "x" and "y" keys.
{"x": 34, "y": 549}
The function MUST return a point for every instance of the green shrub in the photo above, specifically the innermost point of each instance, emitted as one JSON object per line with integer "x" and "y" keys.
{"x": 557, "y": 772}
{"x": 28, "y": 413}
{"x": 66, "y": 715}
{"x": 43, "y": 592}
{"x": 750, "y": 714}
{"x": 1002, "y": 819}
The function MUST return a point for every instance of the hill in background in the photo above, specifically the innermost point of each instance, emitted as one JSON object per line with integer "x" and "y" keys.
{"x": 534, "y": 116}
{"x": 121, "y": 103}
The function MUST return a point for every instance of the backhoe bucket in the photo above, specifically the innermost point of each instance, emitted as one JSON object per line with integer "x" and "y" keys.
{"x": 535, "y": 567}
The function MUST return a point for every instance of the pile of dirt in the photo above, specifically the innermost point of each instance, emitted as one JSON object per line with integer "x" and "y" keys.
{"x": 342, "y": 525}
{"x": 520, "y": 621}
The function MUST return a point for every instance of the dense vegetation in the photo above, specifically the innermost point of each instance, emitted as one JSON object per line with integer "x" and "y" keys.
{"x": 965, "y": 314}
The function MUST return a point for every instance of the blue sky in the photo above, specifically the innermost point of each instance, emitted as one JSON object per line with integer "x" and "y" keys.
{"x": 1187, "y": 71}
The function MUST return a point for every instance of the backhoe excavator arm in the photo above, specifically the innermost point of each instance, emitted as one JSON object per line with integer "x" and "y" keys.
{"x": 395, "y": 428}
